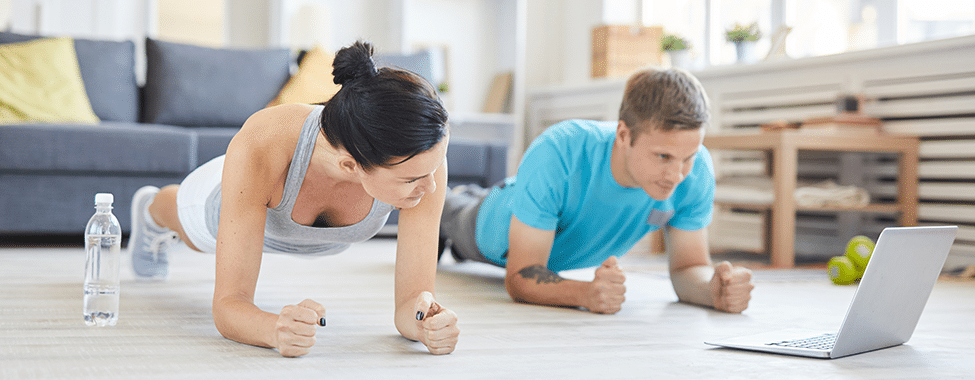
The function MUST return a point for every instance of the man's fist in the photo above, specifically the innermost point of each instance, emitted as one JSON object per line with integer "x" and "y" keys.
{"x": 607, "y": 289}
{"x": 731, "y": 287}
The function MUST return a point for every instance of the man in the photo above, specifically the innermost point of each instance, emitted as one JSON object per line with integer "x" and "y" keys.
{"x": 587, "y": 191}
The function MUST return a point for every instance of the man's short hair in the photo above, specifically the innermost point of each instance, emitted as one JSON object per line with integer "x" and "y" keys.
{"x": 665, "y": 100}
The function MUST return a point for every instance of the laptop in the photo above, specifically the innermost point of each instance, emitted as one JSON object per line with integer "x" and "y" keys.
{"x": 905, "y": 264}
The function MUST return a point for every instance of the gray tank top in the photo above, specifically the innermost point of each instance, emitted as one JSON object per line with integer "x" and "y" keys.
{"x": 281, "y": 233}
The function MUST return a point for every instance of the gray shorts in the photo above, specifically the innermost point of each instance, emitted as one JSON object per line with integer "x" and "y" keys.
{"x": 458, "y": 224}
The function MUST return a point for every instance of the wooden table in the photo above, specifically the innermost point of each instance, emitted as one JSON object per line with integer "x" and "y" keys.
{"x": 784, "y": 146}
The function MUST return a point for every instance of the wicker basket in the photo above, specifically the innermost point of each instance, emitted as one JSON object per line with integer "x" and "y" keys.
{"x": 620, "y": 50}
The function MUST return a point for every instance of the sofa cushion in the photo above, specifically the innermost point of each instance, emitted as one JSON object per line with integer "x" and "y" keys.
{"x": 108, "y": 71}
{"x": 40, "y": 82}
{"x": 106, "y": 148}
{"x": 61, "y": 203}
{"x": 198, "y": 86}
{"x": 212, "y": 142}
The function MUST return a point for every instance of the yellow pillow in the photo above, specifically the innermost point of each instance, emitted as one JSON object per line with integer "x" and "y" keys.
{"x": 40, "y": 82}
{"x": 313, "y": 81}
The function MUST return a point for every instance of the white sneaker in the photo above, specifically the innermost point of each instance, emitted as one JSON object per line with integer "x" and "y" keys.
{"x": 148, "y": 242}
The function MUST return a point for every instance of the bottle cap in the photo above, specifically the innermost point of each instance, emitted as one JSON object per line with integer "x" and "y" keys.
{"x": 104, "y": 198}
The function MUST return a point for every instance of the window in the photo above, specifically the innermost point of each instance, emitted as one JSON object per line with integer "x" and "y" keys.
{"x": 821, "y": 27}
{"x": 922, "y": 20}
{"x": 687, "y": 19}
{"x": 817, "y": 27}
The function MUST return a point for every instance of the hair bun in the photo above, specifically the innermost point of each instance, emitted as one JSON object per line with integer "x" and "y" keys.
{"x": 353, "y": 62}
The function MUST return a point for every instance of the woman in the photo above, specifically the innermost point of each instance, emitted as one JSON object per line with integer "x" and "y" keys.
{"x": 312, "y": 179}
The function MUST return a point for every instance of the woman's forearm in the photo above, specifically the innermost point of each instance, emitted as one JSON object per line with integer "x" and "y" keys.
{"x": 244, "y": 322}
{"x": 405, "y": 319}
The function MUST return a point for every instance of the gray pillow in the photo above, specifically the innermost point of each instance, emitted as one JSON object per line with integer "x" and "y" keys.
{"x": 197, "y": 86}
{"x": 108, "y": 71}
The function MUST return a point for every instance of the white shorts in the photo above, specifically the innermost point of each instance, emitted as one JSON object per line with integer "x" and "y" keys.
{"x": 191, "y": 201}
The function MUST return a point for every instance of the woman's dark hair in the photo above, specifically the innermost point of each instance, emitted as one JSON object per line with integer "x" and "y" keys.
{"x": 380, "y": 115}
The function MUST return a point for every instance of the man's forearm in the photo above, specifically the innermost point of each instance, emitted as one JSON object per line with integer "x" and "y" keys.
{"x": 692, "y": 284}
{"x": 537, "y": 284}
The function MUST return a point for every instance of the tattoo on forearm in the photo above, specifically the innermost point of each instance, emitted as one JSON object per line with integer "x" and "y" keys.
{"x": 540, "y": 274}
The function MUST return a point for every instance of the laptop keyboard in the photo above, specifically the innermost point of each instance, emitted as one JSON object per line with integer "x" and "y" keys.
{"x": 821, "y": 342}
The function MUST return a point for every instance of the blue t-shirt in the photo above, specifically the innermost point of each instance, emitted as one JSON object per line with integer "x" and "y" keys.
{"x": 565, "y": 183}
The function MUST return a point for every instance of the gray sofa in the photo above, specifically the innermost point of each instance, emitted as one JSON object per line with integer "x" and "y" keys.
{"x": 193, "y": 102}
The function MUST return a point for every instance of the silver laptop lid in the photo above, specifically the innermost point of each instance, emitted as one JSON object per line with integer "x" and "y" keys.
{"x": 888, "y": 302}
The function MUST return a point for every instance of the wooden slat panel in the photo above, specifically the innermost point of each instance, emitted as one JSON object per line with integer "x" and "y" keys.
{"x": 952, "y": 105}
{"x": 882, "y": 190}
{"x": 819, "y": 169}
{"x": 736, "y": 129}
{"x": 780, "y": 100}
{"x": 966, "y": 233}
{"x": 947, "y": 170}
{"x": 736, "y": 231}
{"x": 739, "y": 168}
{"x": 936, "y": 212}
{"x": 569, "y": 112}
{"x": 963, "y": 250}
{"x": 932, "y": 127}
{"x": 880, "y": 170}
{"x": 923, "y": 86}
{"x": 947, "y": 149}
{"x": 740, "y": 154}
{"x": 792, "y": 114}
{"x": 811, "y": 163}
{"x": 803, "y": 141}
{"x": 947, "y": 191}
{"x": 547, "y": 107}
{"x": 961, "y": 255}
{"x": 871, "y": 208}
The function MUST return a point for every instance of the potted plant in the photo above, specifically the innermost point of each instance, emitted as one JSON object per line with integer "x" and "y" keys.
{"x": 673, "y": 42}
{"x": 677, "y": 48}
{"x": 743, "y": 36}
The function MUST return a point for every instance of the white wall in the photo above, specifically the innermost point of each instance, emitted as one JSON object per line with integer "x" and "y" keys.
{"x": 559, "y": 39}
{"x": 4, "y": 14}
{"x": 559, "y": 46}
{"x": 341, "y": 22}
{"x": 108, "y": 19}
{"x": 468, "y": 31}
{"x": 477, "y": 35}
{"x": 192, "y": 21}
{"x": 247, "y": 24}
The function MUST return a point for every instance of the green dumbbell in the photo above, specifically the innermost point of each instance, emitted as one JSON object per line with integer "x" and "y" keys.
{"x": 859, "y": 250}
{"x": 842, "y": 271}
{"x": 847, "y": 269}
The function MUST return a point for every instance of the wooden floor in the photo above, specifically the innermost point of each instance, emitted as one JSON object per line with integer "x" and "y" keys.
{"x": 165, "y": 330}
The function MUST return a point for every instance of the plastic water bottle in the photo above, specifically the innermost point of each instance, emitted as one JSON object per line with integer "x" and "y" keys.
{"x": 103, "y": 245}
